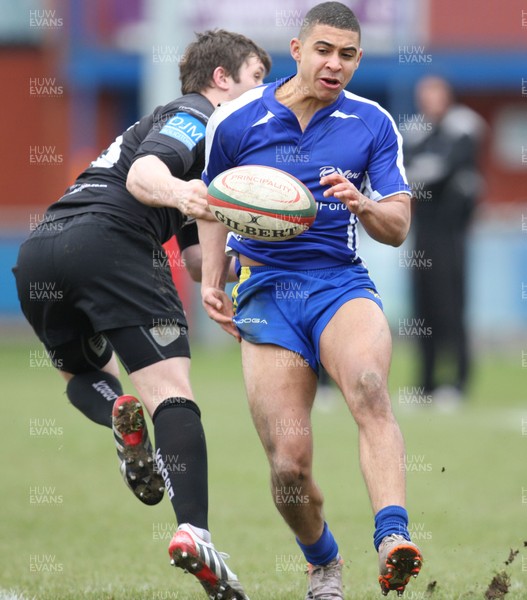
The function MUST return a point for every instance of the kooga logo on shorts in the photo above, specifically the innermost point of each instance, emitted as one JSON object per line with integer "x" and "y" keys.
{"x": 250, "y": 320}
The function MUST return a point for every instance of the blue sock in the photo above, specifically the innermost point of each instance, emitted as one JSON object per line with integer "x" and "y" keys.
{"x": 389, "y": 520}
{"x": 324, "y": 550}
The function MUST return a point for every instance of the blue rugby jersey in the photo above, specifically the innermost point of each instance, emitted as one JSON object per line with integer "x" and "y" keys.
{"x": 353, "y": 136}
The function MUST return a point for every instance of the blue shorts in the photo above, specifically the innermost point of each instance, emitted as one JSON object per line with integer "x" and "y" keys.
{"x": 292, "y": 308}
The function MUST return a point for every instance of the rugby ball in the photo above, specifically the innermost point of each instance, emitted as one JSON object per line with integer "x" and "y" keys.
{"x": 261, "y": 203}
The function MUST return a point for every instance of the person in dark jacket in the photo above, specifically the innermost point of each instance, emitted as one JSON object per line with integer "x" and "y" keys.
{"x": 442, "y": 150}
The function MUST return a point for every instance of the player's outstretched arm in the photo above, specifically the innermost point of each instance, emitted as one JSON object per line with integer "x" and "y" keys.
{"x": 151, "y": 182}
{"x": 215, "y": 271}
{"x": 192, "y": 259}
{"x": 386, "y": 221}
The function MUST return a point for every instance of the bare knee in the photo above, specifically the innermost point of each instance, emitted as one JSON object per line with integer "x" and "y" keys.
{"x": 112, "y": 366}
{"x": 370, "y": 397}
{"x": 289, "y": 471}
{"x": 292, "y": 485}
{"x": 66, "y": 376}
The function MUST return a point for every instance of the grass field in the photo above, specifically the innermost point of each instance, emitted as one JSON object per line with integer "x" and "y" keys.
{"x": 71, "y": 529}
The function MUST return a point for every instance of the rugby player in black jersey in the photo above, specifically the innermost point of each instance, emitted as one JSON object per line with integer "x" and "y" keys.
{"x": 100, "y": 248}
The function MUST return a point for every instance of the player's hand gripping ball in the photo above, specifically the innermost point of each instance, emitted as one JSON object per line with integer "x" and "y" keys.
{"x": 262, "y": 203}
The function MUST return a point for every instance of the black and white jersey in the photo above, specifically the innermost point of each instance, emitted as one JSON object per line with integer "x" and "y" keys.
{"x": 175, "y": 133}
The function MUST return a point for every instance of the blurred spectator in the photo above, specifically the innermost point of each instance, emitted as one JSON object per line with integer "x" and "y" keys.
{"x": 442, "y": 151}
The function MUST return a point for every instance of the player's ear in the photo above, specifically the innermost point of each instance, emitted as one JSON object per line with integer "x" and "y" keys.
{"x": 359, "y": 57}
{"x": 295, "y": 47}
{"x": 220, "y": 78}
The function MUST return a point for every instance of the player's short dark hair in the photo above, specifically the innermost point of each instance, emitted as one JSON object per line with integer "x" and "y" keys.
{"x": 334, "y": 14}
{"x": 216, "y": 48}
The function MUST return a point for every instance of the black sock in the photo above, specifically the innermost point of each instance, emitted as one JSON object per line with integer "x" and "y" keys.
{"x": 93, "y": 394}
{"x": 181, "y": 455}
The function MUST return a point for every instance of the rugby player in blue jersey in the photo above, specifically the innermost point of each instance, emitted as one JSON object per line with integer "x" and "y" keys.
{"x": 347, "y": 150}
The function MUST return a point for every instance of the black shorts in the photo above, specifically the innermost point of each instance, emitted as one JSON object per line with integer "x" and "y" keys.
{"x": 92, "y": 273}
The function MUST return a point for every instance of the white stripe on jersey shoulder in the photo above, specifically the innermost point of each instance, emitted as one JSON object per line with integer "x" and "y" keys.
{"x": 339, "y": 114}
{"x": 226, "y": 109}
{"x": 264, "y": 120}
{"x": 400, "y": 161}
